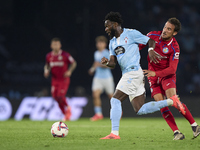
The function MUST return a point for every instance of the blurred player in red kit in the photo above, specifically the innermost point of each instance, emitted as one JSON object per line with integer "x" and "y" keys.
{"x": 61, "y": 65}
{"x": 162, "y": 74}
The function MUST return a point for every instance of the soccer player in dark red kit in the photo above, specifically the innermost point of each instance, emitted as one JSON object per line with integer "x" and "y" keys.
{"x": 61, "y": 65}
{"x": 162, "y": 74}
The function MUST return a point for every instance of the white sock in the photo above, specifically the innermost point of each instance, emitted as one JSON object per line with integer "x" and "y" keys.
{"x": 99, "y": 113}
{"x": 169, "y": 102}
{"x": 115, "y": 132}
{"x": 176, "y": 131}
{"x": 194, "y": 124}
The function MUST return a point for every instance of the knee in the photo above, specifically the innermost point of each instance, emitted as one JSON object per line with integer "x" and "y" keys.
{"x": 158, "y": 97}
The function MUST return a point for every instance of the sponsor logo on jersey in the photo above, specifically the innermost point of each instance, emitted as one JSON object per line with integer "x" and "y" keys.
{"x": 165, "y": 50}
{"x": 119, "y": 50}
{"x": 57, "y": 64}
{"x": 126, "y": 39}
{"x": 167, "y": 84}
{"x": 176, "y": 55}
{"x": 60, "y": 57}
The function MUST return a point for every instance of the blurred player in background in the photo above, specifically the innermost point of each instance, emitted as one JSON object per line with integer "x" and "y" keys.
{"x": 124, "y": 49}
{"x": 61, "y": 65}
{"x": 162, "y": 74}
{"x": 103, "y": 79}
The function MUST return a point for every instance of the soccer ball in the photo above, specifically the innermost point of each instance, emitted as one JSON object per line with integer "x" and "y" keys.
{"x": 59, "y": 129}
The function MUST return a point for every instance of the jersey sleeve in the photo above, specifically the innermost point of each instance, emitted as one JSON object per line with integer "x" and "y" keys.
{"x": 70, "y": 59}
{"x": 139, "y": 38}
{"x": 111, "y": 50}
{"x": 141, "y": 46}
{"x": 173, "y": 62}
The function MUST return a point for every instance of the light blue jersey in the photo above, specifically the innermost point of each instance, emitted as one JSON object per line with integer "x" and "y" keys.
{"x": 126, "y": 49}
{"x": 102, "y": 72}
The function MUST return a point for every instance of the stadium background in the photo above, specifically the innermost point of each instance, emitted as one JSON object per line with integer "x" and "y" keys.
{"x": 26, "y": 28}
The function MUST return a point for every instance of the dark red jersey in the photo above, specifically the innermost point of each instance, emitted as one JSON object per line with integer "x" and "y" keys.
{"x": 59, "y": 64}
{"x": 169, "y": 49}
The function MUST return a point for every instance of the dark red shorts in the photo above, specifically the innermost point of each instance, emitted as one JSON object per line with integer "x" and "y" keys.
{"x": 59, "y": 88}
{"x": 160, "y": 85}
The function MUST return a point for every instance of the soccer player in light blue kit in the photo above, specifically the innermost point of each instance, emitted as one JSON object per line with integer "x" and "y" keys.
{"x": 124, "y": 50}
{"x": 103, "y": 79}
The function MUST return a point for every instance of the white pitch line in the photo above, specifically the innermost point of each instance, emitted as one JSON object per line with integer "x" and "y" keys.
{"x": 89, "y": 126}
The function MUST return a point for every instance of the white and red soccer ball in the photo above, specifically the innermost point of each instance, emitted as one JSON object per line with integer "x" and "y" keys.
{"x": 59, "y": 129}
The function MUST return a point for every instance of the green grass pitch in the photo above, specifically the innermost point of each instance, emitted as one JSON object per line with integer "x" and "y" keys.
{"x": 135, "y": 133}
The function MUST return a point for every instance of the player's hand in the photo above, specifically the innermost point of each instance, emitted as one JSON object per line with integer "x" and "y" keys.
{"x": 155, "y": 57}
{"x": 46, "y": 73}
{"x": 104, "y": 61}
{"x": 67, "y": 74}
{"x": 91, "y": 71}
{"x": 149, "y": 73}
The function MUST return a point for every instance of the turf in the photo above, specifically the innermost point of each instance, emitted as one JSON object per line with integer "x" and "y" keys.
{"x": 135, "y": 133}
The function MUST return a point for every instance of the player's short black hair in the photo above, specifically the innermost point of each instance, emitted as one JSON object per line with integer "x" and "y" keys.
{"x": 55, "y": 39}
{"x": 176, "y": 23}
{"x": 114, "y": 17}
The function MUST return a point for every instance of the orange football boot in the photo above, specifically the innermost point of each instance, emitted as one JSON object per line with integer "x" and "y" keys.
{"x": 177, "y": 104}
{"x": 111, "y": 136}
{"x": 96, "y": 117}
{"x": 67, "y": 114}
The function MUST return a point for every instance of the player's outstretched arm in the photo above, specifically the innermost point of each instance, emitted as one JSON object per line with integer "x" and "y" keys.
{"x": 149, "y": 73}
{"x": 92, "y": 69}
{"x": 46, "y": 71}
{"x": 151, "y": 43}
{"x": 110, "y": 63}
{"x": 94, "y": 66}
{"x": 72, "y": 67}
{"x": 173, "y": 63}
{"x": 154, "y": 56}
